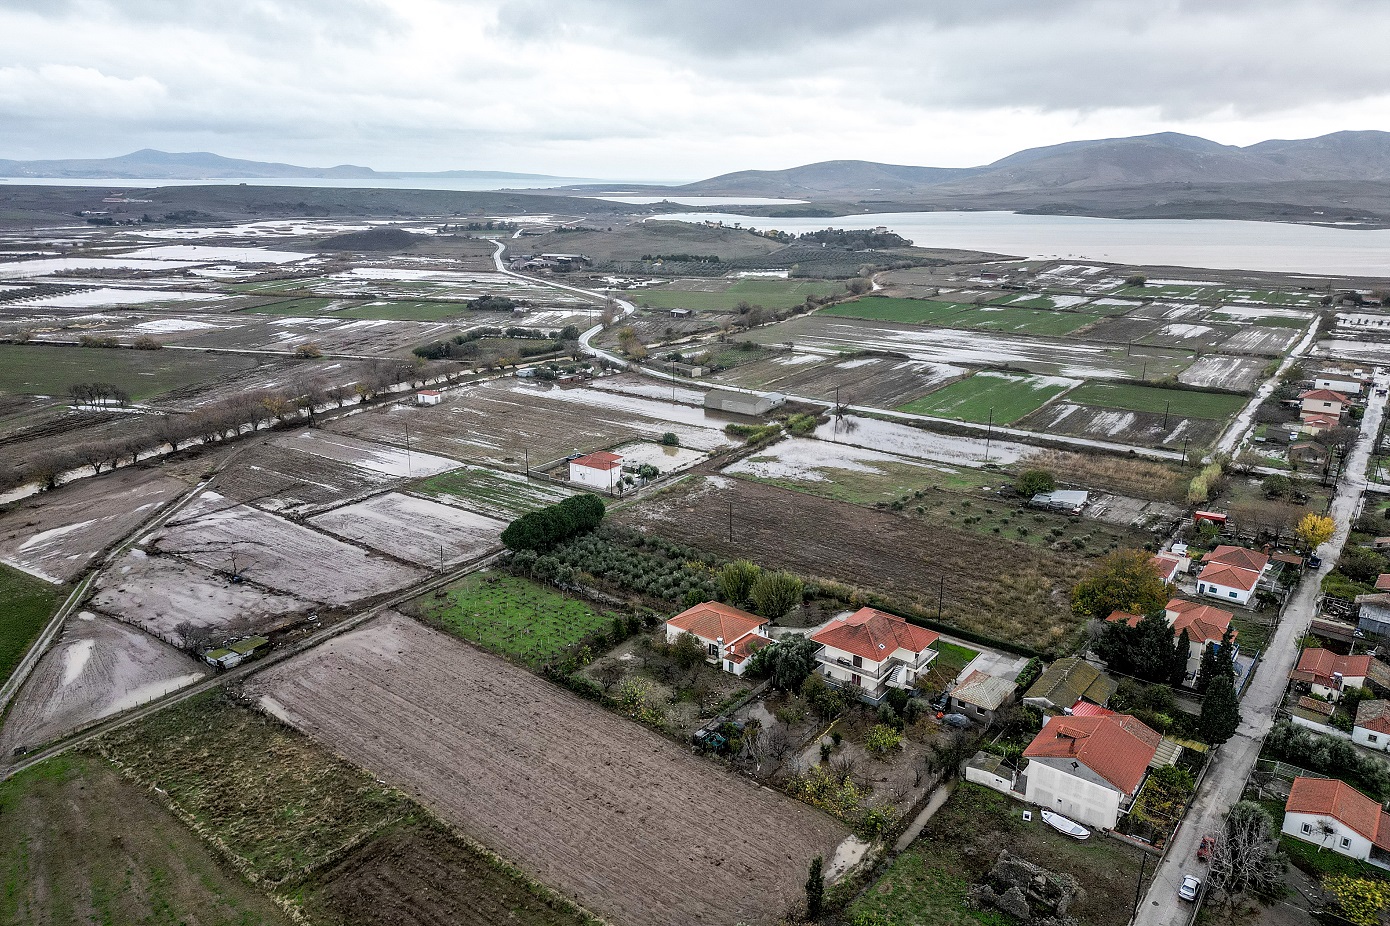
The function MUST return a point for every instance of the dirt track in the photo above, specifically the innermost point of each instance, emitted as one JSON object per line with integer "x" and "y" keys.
{"x": 598, "y": 807}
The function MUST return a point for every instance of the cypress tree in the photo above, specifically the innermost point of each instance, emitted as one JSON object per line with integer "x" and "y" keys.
{"x": 1220, "y": 711}
{"x": 815, "y": 890}
{"x": 1180, "y": 650}
{"x": 1207, "y": 667}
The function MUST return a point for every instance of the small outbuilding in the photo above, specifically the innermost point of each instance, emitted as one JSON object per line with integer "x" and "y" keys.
{"x": 980, "y": 695}
{"x": 600, "y": 470}
{"x": 234, "y": 654}
{"x": 429, "y": 397}
{"x": 743, "y": 403}
{"x": 1071, "y": 501}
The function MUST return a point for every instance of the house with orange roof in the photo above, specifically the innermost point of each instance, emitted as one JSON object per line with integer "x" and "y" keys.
{"x": 600, "y": 470}
{"x": 1328, "y": 674}
{"x": 1322, "y": 402}
{"x": 1372, "y": 728}
{"x": 1204, "y": 624}
{"x": 728, "y": 635}
{"x": 1315, "y": 424}
{"x": 1169, "y": 565}
{"x": 873, "y": 651}
{"x": 1089, "y": 768}
{"x": 1231, "y": 573}
{"x": 1334, "y": 815}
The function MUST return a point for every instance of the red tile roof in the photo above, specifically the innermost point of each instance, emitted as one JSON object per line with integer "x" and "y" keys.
{"x": 1237, "y": 556}
{"x": 745, "y": 646}
{"x": 874, "y": 635}
{"x": 1328, "y": 797}
{"x": 1383, "y": 582}
{"x": 1117, "y": 616}
{"x": 711, "y": 621}
{"x": 601, "y": 460}
{"x": 1201, "y": 621}
{"x": 1087, "y": 709}
{"x": 1229, "y": 576}
{"x": 1117, "y": 747}
{"x": 1319, "y": 665}
{"x": 1323, "y": 395}
{"x": 1374, "y": 716}
{"x": 1167, "y": 565}
{"x": 1325, "y": 422}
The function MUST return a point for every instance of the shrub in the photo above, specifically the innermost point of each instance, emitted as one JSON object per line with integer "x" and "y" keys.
{"x": 145, "y": 342}
{"x": 775, "y": 593}
{"x": 308, "y": 351}
{"x": 882, "y": 739}
{"x": 669, "y": 439}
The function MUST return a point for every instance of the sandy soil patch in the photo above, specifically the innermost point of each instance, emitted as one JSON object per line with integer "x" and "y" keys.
{"x": 414, "y": 529}
{"x": 166, "y": 596}
{"x": 279, "y": 554}
{"x": 55, "y": 535}
{"x": 98, "y": 667}
{"x": 603, "y": 809}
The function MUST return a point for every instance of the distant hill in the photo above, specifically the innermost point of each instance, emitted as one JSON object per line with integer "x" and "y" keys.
{"x": 1165, "y": 158}
{"x": 150, "y": 164}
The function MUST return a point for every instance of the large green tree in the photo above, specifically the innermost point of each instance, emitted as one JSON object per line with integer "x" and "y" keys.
{"x": 1220, "y": 711}
{"x": 1145, "y": 650}
{"x": 774, "y": 594}
{"x": 1125, "y": 580}
{"x": 736, "y": 581}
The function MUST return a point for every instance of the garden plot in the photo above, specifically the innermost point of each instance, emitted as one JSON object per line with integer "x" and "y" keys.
{"x": 1221, "y": 372}
{"x": 1262, "y": 314}
{"x": 282, "y": 478}
{"x": 885, "y": 382}
{"x": 1049, "y": 356}
{"x": 55, "y": 535}
{"x": 184, "y": 604}
{"x": 595, "y": 805}
{"x": 368, "y": 455}
{"x": 800, "y": 459}
{"x": 906, "y": 441}
{"x": 278, "y": 554}
{"x": 98, "y": 667}
{"x": 494, "y": 492}
{"x": 414, "y": 529}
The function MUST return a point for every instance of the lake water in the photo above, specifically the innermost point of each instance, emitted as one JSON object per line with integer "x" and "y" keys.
{"x": 1204, "y": 243}
{"x": 457, "y": 184}
{"x": 700, "y": 200}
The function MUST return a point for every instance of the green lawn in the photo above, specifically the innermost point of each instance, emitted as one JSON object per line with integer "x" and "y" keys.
{"x": 770, "y": 294}
{"x": 904, "y": 311}
{"x": 507, "y": 495}
{"x": 35, "y": 369}
{"x": 26, "y": 603}
{"x": 1009, "y": 396}
{"x": 1182, "y": 403}
{"x": 512, "y": 617}
{"x": 953, "y": 655}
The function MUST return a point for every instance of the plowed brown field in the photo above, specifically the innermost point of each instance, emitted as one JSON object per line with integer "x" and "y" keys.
{"x": 606, "y": 811}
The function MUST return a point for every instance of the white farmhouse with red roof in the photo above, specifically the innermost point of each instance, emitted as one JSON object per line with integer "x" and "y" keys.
{"x": 1372, "y": 728}
{"x": 1231, "y": 573}
{"x": 1204, "y": 624}
{"x": 1089, "y": 768}
{"x": 729, "y": 636}
{"x": 1329, "y": 674}
{"x": 600, "y": 470}
{"x": 1334, "y": 815}
{"x": 874, "y": 651}
{"x": 1322, "y": 402}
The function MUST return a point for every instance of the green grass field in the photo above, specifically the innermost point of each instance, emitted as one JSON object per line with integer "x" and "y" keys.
{"x": 953, "y": 655}
{"x": 1015, "y": 317}
{"x": 33, "y": 369}
{"x": 512, "y": 617}
{"x": 1008, "y": 396}
{"x": 770, "y": 294}
{"x": 375, "y": 309}
{"x": 505, "y": 494}
{"x": 26, "y": 603}
{"x": 1181, "y": 403}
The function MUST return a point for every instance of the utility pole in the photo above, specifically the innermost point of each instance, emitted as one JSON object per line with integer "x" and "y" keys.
{"x": 941, "y": 597}
{"x": 731, "y": 522}
{"x": 989, "y": 432}
{"x": 441, "y": 558}
{"x": 409, "y": 470}
{"x": 1184, "y": 450}
{"x": 1139, "y": 885}
{"x": 1144, "y": 374}
{"x": 673, "y": 382}
{"x": 1166, "y": 406}
{"x": 526, "y": 456}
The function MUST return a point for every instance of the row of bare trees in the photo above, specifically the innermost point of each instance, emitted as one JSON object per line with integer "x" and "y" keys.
{"x": 98, "y": 394}
{"x": 220, "y": 421}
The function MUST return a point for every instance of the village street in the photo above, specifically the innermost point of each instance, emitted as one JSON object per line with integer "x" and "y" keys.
{"x": 1233, "y": 762}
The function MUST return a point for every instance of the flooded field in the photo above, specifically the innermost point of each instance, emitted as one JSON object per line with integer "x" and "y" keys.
{"x": 906, "y": 441}
{"x": 423, "y": 532}
{"x": 882, "y": 381}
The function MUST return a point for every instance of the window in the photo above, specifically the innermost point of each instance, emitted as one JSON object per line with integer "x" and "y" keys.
{"x": 1346, "y": 842}
{"x": 1201, "y": 587}
{"x": 855, "y": 680}
{"x": 858, "y": 662}
{"x": 1232, "y": 594}
{"x": 1307, "y": 829}
{"x": 714, "y": 649}
{"x": 1372, "y": 738}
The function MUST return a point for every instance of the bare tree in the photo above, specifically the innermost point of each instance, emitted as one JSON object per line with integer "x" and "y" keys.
{"x": 1246, "y": 859}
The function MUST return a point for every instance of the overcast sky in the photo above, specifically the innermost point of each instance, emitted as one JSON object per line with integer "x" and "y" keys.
{"x": 674, "y": 89}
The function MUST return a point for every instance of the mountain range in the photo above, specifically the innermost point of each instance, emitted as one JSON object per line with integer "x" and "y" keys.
{"x": 1145, "y": 160}
{"x": 150, "y": 164}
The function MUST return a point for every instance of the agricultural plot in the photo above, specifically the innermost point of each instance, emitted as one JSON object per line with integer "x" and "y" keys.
{"x": 1221, "y": 372}
{"x": 98, "y": 667}
{"x": 532, "y": 624}
{"x": 1058, "y": 301}
{"x": 55, "y": 535}
{"x": 1184, "y": 402}
{"x": 1010, "y": 591}
{"x": 184, "y": 604}
{"x": 79, "y": 844}
{"x": 493, "y": 492}
{"x": 885, "y": 382}
{"x": 36, "y": 369}
{"x": 993, "y": 317}
{"x": 848, "y": 473}
{"x": 278, "y": 477}
{"x": 28, "y": 603}
{"x": 1143, "y": 429}
{"x": 1048, "y": 356}
{"x": 368, "y": 455}
{"x": 905, "y": 311}
{"x": 415, "y": 529}
{"x": 503, "y": 423}
{"x": 906, "y": 441}
{"x": 770, "y": 294}
{"x": 223, "y": 536}
{"x": 1360, "y": 350}
{"x": 590, "y": 803}
{"x": 991, "y": 396}
{"x": 1264, "y": 340}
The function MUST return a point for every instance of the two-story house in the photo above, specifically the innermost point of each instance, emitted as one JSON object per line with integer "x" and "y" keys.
{"x": 873, "y": 651}
{"x": 1322, "y": 402}
{"x": 1089, "y": 768}
{"x": 1334, "y": 815}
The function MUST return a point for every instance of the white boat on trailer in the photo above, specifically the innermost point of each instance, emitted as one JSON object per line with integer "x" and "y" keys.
{"x": 1064, "y": 826}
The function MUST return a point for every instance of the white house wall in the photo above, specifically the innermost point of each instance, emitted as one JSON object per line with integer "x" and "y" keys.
{"x": 1081, "y": 800}
{"x": 1359, "y": 847}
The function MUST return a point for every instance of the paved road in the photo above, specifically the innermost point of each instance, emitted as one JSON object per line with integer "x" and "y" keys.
{"x": 1231, "y": 765}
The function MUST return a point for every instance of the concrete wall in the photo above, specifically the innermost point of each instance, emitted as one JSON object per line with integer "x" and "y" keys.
{"x": 1083, "y": 801}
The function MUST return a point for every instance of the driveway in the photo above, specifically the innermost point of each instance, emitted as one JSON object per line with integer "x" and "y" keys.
{"x": 1232, "y": 762}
